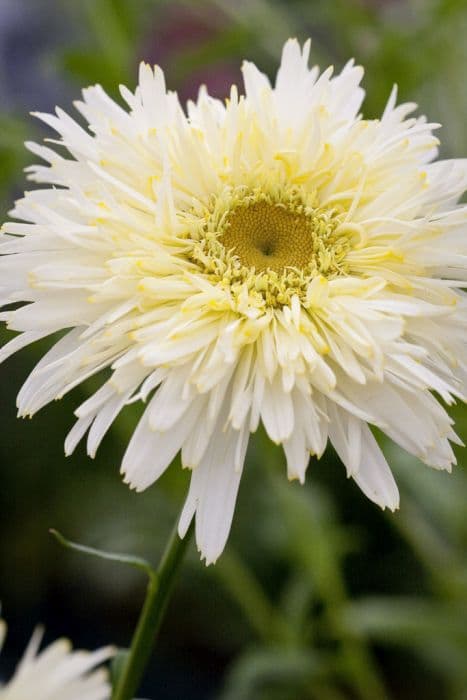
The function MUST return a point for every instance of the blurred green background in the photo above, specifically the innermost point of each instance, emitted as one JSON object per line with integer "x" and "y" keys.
{"x": 319, "y": 594}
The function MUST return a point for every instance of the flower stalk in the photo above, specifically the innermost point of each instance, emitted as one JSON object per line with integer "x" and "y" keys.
{"x": 159, "y": 588}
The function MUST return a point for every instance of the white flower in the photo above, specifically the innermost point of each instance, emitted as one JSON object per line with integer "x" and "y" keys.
{"x": 276, "y": 258}
{"x": 57, "y": 673}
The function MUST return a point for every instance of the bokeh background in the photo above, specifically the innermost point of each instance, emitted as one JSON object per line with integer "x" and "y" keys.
{"x": 319, "y": 595}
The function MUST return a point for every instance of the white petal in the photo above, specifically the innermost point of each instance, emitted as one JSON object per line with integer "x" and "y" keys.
{"x": 277, "y": 411}
{"x": 213, "y": 491}
{"x": 345, "y": 435}
{"x": 374, "y": 476}
{"x": 150, "y": 452}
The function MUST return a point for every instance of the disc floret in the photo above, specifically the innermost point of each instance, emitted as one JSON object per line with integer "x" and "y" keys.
{"x": 268, "y": 245}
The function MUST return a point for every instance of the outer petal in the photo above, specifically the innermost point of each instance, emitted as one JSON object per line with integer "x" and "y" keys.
{"x": 150, "y": 452}
{"x": 356, "y": 446}
{"x": 213, "y": 492}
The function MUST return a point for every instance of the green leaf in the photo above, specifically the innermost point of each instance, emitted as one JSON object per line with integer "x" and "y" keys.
{"x": 128, "y": 559}
{"x": 408, "y": 621}
{"x": 280, "y": 670}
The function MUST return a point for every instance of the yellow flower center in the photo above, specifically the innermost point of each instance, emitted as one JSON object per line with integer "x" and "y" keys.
{"x": 269, "y": 236}
{"x": 266, "y": 247}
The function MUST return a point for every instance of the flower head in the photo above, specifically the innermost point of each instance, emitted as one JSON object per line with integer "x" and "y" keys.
{"x": 57, "y": 673}
{"x": 273, "y": 258}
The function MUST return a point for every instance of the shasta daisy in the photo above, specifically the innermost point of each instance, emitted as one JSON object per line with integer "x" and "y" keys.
{"x": 275, "y": 257}
{"x": 57, "y": 672}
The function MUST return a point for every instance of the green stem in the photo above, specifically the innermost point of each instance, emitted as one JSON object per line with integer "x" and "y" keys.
{"x": 158, "y": 592}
